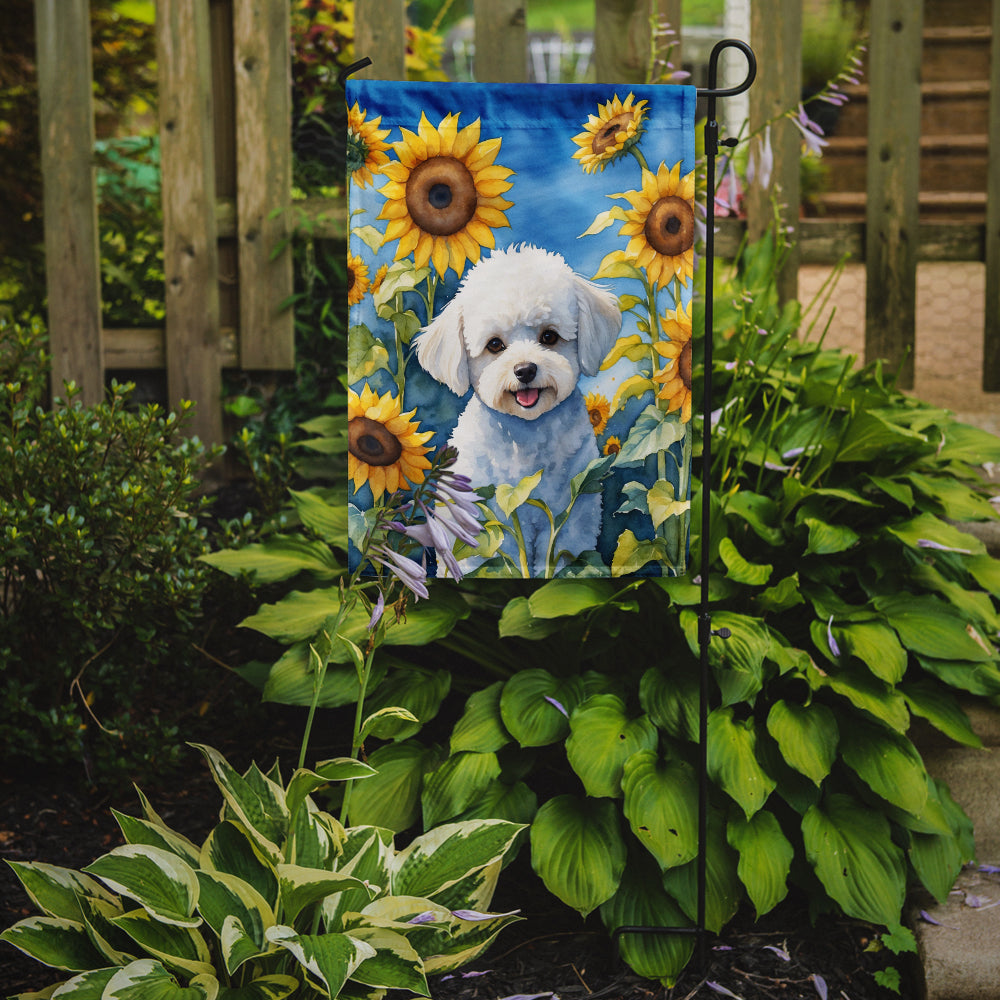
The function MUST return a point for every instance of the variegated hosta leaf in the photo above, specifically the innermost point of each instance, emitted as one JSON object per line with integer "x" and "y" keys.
{"x": 86, "y": 986}
{"x": 177, "y": 947}
{"x": 304, "y": 782}
{"x": 475, "y": 891}
{"x": 54, "y": 941}
{"x": 850, "y": 847}
{"x": 467, "y": 940}
{"x": 535, "y": 706}
{"x": 158, "y": 880}
{"x": 602, "y": 738}
{"x": 723, "y": 889}
{"x": 230, "y": 849}
{"x": 142, "y": 831}
{"x": 661, "y": 800}
{"x": 315, "y": 838}
{"x": 395, "y": 964}
{"x": 301, "y": 887}
{"x": 56, "y": 891}
{"x": 642, "y": 902}
{"x": 274, "y": 987}
{"x": 225, "y": 897}
{"x": 116, "y": 947}
{"x": 765, "y": 858}
{"x": 256, "y": 801}
{"x": 807, "y": 736}
{"x": 441, "y": 857}
{"x": 481, "y": 727}
{"x": 328, "y": 959}
{"x": 732, "y": 760}
{"x": 366, "y": 855}
{"x": 456, "y": 784}
{"x": 578, "y": 851}
{"x": 149, "y": 980}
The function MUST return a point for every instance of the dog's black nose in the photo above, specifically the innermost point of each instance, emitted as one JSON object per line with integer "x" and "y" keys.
{"x": 525, "y": 373}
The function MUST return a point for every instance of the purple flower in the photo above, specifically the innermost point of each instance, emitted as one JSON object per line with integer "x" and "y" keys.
{"x": 475, "y": 915}
{"x": 760, "y": 166}
{"x": 427, "y": 917}
{"x": 927, "y": 543}
{"x": 820, "y": 983}
{"x": 719, "y": 988}
{"x": 780, "y": 952}
{"x": 558, "y": 705}
{"x": 834, "y": 648}
{"x": 811, "y": 132}
{"x": 377, "y": 612}
{"x": 410, "y": 573}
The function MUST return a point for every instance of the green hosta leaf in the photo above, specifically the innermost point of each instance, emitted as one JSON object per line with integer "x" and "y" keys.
{"x": 986, "y": 572}
{"x": 732, "y": 760}
{"x": 230, "y": 849}
{"x": 456, "y": 784}
{"x": 957, "y": 501}
{"x": 260, "y": 806}
{"x": 661, "y": 799}
{"x": 147, "y": 979}
{"x": 301, "y": 887}
{"x": 517, "y": 620}
{"x": 867, "y": 693}
{"x": 328, "y": 520}
{"x": 807, "y": 736}
{"x": 641, "y": 901}
{"x": 527, "y": 709}
{"x": 850, "y": 848}
{"x": 440, "y": 858}
{"x": 395, "y": 964}
{"x": 509, "y": 497}
{"x": 827, "y": 539}
{"x": 932, "y": 628}
{"x": 765, "y": 858}
{"x": 481, "y": 728}
{"x": 418, "y": 690}
{"x": 279, "y": 558}
{"x": 516, "y": 803}
{"x": 274, "y": 987}
{"x": 601, "y": 739}
{"x": 760, "y": 512}
{"x": 738, "y": 661}
{"x": 738, "y": 569}
{"x": 180, "y": 948}
{"x": 876, "y": 646}
{"x": 163, "y": 884}
{"x": 870, "y": 436}
{"x": 141, "y": 831}
{"x": 330, "y": 959}
{"x": 976, "y": 678}
{"x": 56, "y": 891}
{"x": 578, "y": 851}
{"x": 723, "y": 889}
{"x": 927, "y": 528}
{"x": 671, "y": 700}
{"x": 292, "y": 679}
{"x": 783, "y": 595}
{"x": 387, "y": 723}
{"x": 54, "y": 941}
{"x": 888, "y": 763}
{"x": 936, "y": 704}
{"x": 937, "y": 858}
{"x": 391, "y": 798}
{"x": 559, "y": 598}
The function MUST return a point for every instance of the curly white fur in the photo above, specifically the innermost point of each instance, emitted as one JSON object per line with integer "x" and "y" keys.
{"x": 520, "y": 331}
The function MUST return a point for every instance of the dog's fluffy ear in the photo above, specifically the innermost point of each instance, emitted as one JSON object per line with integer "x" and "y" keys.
{"x": 599, "y": 324}
{"x": 441, "y": 349}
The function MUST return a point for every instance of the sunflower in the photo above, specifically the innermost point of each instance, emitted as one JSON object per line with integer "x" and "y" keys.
{"x": 609, "y": 135}
{"x": 613, "y": 445}
{"x": 675, "y": 375}
{"x": 661, "y": 225}
{"x": 385, "y": 449}
{"x": 443, "y": 196}
{"x": 376, "y": 282}
{"x": 357, "y": 279}
{"x": 598, "y": 409}
{"x": 366, "y": 152}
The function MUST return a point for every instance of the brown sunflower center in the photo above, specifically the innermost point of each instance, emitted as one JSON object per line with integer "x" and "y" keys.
{"x": 371, "y": 442}
{"x": 441, "y": 195}
{"x": 684, "y": 365}
{"x": 669, "y": 228}
{"x": 613, "y": 447}
{"x": 351, "y": 278}
{"x": 595, "y": 417}
{"x": 606, "y": 137}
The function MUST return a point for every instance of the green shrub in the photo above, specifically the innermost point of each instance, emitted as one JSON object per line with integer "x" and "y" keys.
{"x": 101, "y": 584}
{"x": 279, "y": 900}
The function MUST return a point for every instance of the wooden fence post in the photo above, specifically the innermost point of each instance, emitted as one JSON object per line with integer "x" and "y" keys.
{"x": 190, "y": 250}
{"x": 991, "y": 332}
{"x": 621, "y": 40}
{"x": 261, "y": 57}
{"x": 380, "y": 34}
{"x": 892, "y": 214}
{"x": 501, "y": 41}
{"x": 72, "y": 254}
{"x": 776, "y": 35}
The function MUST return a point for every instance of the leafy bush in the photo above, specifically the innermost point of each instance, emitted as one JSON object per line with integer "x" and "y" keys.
{"x": 854, "y": 604}
{"x": 279, "y": 899}
{"x": 101, "y": 587}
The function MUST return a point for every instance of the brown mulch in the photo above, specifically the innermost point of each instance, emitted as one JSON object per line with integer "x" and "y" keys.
{"x": 550, "y": 953}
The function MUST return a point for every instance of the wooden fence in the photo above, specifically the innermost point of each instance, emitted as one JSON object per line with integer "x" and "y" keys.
{"x": 226, "y": 161}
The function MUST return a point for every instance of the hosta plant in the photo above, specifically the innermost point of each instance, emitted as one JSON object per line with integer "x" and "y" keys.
{"x": 279, "y": 900}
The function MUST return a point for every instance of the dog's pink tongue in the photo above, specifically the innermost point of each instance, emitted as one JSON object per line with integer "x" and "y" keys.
{"x": 527, "y": 397}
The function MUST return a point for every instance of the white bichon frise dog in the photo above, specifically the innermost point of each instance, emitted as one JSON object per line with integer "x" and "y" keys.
{"x": 520, "y": 331}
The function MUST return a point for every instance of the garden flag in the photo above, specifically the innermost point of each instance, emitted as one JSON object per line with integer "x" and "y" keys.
{"x": 520, "y": 274}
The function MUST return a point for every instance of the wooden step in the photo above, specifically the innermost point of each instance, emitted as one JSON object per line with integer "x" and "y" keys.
{"x": 956, "y": 53}
{"x": 954, "y": 206}
{"x": 947, "y": 162}
{"x": 945, "y": 106}
{"x": 945, "y": 12}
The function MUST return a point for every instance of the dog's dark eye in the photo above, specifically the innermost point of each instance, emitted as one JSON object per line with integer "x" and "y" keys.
{"x": 548, "y": 337}
{"x": 495, "y": 345}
